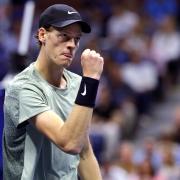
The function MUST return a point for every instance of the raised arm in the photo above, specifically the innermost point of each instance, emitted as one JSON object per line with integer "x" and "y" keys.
{"x": 70, "y": 135}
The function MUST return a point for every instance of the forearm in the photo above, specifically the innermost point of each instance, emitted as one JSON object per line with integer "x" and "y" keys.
{"x": 89, "y": 167}
{"x": 76, "y": 127}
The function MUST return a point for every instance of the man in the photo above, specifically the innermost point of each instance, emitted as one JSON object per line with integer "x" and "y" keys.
{"x": 48, "y": 109}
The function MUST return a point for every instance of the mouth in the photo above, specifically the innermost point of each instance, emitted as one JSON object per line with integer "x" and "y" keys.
{"x": 67, "y": 55}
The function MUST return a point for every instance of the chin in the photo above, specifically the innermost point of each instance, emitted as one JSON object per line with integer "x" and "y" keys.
{"x": 66, "y": 65}
{"x": 68, "y": 62}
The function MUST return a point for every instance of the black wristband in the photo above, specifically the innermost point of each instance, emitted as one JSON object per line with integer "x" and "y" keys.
{"x": 87, "y": 92}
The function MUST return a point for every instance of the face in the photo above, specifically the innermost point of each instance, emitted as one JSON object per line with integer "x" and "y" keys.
{"x": 60, "y": 44}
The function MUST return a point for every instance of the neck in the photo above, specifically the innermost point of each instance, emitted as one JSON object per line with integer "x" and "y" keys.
{"x": 51, "y": 72}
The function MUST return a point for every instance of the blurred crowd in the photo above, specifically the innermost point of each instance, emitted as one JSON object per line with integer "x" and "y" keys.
{"x": 140, "y": 42}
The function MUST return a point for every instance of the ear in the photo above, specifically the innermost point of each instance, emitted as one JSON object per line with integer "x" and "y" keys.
{"x": 42, "y": 35}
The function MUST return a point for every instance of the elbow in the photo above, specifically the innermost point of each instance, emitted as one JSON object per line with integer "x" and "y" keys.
{"x": 71, "y": 148}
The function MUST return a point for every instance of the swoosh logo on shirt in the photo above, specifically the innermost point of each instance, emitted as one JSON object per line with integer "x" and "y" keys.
{"x": 71, "y": 12}
{"x": 84, "y": 92}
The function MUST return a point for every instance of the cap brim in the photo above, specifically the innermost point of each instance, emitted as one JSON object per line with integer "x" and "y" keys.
{"x": 85, "y": 27}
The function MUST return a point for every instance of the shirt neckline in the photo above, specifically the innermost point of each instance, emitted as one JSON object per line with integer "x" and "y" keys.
{"x": 54, "y": 87}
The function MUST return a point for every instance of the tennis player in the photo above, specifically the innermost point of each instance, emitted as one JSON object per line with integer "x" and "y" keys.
{"x": 48, "y": 109}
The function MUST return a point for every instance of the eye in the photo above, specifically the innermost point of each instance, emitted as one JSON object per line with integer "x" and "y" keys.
{"x": 77, "y": 39}
{"x": 63, "y": 36}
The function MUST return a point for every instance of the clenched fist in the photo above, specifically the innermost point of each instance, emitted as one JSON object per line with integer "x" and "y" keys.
{"x": 92, "y": 64}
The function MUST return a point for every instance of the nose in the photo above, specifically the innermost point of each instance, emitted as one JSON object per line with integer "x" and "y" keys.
{"x": 72, "y": 43}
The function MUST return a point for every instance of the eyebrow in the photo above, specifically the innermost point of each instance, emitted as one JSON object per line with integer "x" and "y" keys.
{"x": 61, "y": 30}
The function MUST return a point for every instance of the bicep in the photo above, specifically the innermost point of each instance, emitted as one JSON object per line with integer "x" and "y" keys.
{"x": 49, "y": 124}
{"x": 35, "y": 109}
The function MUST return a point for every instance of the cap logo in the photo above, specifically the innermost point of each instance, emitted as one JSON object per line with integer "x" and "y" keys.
{"x": 71, "y": 12}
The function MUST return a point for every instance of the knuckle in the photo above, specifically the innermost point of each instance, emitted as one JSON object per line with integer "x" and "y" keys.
{"x": 86, "y": 52}
{"x": 98, "y": 55}
{"x": 93, "y": 51}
